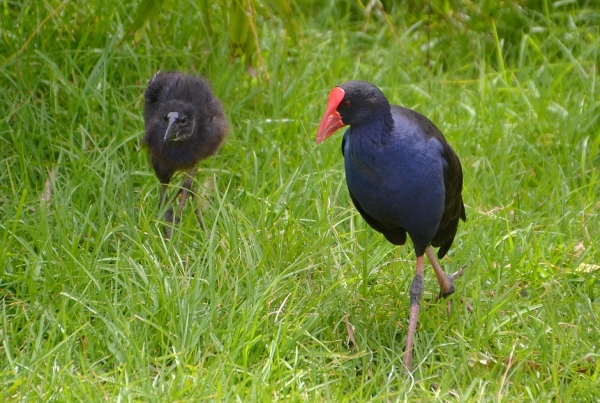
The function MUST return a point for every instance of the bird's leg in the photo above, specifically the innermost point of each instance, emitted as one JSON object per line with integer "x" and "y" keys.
{"x": 186, "y": 191}
{"x": 199, "y": 217}
{"x": 169, "y": 212}
{"x": 446, "y": 281}
{"x": 416, "y": 292}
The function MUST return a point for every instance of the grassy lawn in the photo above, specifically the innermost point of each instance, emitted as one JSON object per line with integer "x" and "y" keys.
{"x": 97, "y": 306}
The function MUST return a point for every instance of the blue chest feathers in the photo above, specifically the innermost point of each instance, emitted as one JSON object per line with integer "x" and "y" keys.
{"x": 397, "y": 179}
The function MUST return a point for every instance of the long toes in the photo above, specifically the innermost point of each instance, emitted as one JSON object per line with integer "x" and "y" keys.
{"x": 447, "y": 292}
{"x": 199, "y": 217}
{"x": 450, "y": 287}
{"x": 469, "y": 306}
{"x": 171, "y": 221}
{"x": 449, "y": 305}
{"x": 457, "y": 274}
{"x": 169, "y": 215}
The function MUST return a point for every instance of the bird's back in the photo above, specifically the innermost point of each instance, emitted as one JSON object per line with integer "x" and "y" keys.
{"x": 454, "y": 208}
{"x": 409, "y": 181}
{"x": 173, "y": 86}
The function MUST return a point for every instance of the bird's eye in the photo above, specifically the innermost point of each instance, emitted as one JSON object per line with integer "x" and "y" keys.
{"x": 346, "y": 104}
{"x": 183, "y": 120}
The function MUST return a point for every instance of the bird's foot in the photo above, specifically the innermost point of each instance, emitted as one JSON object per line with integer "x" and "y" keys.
{"x": 171, "y": 222}
{"x": 199, "y": 217}
{"x": 457, "y": 274}
{"x": 449, "y": 287}
{"x": 450, "y": 290}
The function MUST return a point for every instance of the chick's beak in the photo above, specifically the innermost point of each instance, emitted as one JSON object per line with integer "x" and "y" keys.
{"x": 173, "y": 118}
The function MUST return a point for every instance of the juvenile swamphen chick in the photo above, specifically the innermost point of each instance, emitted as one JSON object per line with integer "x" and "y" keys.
{"x": 403, "y": 177}
{"x": 184, "y": 124}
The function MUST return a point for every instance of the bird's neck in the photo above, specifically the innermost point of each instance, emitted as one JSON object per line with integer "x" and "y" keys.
{"x": 377, "y": 130}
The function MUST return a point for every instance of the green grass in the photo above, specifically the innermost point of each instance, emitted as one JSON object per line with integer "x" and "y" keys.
{"x": 98, "y": 306}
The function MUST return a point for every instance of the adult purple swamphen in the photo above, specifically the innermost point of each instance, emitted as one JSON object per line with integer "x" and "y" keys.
{"x": 403, "y": 177}
{"x": 185, "y": 123}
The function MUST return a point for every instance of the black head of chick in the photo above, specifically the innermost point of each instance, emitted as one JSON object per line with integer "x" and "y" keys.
{"x": 184, "y": 124}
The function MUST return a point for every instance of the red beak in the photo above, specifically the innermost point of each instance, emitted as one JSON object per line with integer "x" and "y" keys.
{"x": 331, "y": 120}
